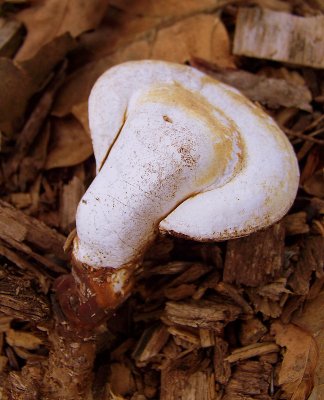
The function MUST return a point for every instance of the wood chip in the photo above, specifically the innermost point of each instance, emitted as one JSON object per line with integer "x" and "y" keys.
{"x": 250, "y": 380}
{"x": 200, "y": 314}
{"x": 221, "y": 365}
{"x": 18, "y": 299}
{"x": 311, "y": 260}
{"x": 207, "y": 337}
{"x": 251, "y": 331}
{"x": 231, "y": 292}
{"x": 261, "y": 33}
{"x": 26, "y": 340}
{"x": 179, "y": 384}
{"x": 252, "y": 350}
{"x": 185, "y": 335}
{"x": 295, "y": 224}
{"x": 256, "y": 259}
{"x": 150, "y": 343}
{"x": 21, "y": 227}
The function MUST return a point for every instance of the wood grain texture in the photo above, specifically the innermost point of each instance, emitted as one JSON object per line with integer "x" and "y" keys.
{"x": 280, "y": 36}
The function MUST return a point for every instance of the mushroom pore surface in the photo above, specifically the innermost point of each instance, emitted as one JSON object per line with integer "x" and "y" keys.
{"x": 180, "y": 152}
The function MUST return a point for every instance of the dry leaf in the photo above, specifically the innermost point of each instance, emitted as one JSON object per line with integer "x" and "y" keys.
{"x": 13, "y": 81}
{"x": 41, "y": 65}
{"x": 191, "y": 41}
{"x": 80, "y": 111}
{"x": 300, "y": 359}
{"x": 315, "y": 184}
{"x": 166, "y": 8}
{"x": 70, "y": 144}
{"x": 121, "y": 378}
{"x": 313, "y": 320}
{"x": 3, "y": 364}
{"x": 47, "y": 19}
{"x": 19, "y": 81}
{"x": 202, "y": 36}
{"x": 78, "y": 85}
{"x": 118, "y": 32}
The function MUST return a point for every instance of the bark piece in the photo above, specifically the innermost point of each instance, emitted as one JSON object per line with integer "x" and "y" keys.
{"x": 200, "y": 314}
{"x": 272, "y": 92}
{"x": 23, "y": 228}
{"x": 256, "y": 259}
{"x": 279, "y": 36}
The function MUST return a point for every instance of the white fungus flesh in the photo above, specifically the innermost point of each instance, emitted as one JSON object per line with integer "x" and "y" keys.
{"x": 180, "y": 152}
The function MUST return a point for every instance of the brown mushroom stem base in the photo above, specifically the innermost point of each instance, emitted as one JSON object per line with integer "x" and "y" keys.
{"x": 88, "y": 296}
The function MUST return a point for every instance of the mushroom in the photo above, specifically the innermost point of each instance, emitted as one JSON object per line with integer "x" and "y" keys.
{"x": 176, "y": 152}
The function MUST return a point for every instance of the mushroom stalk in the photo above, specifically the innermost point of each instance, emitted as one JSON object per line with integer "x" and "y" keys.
{"x": 175, "y": 151}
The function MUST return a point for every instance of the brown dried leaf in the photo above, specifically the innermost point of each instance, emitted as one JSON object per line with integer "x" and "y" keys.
{"x": 78, "y": 85}
{"x": 16, "y": 87}
{"x": 80, "y": 111}
{"x": 315, "y": 184}
{"x": 166, "y": 8}
{"x": 47, "y": 19}
{"x": 11, "y": 34}
{"x": 3, "y": 363}
{"x": 71, "y": 145}
{"x": 121, "y": 379}
{"x": 202, "y": 36}
{"x": 298, "y": 367}
{"x": 19, "y": 81}
{"x": 198, "y": 36}
{"x": 313, "y": 320}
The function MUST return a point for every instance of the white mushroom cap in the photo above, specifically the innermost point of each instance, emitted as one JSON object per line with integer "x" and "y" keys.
{"x": 180, "y": 152}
